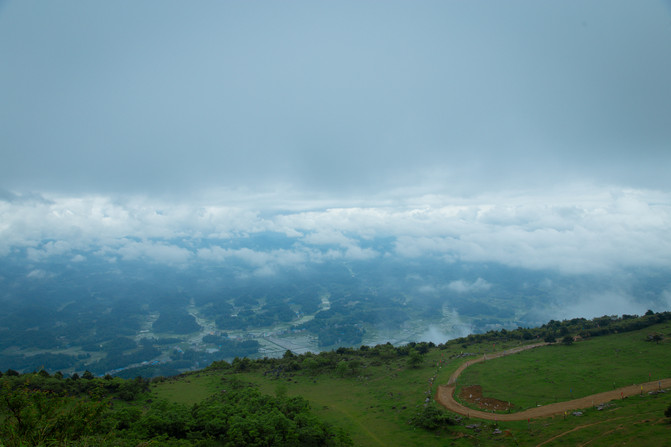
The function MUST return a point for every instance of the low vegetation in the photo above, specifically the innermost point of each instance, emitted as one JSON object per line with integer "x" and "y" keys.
{"x": 380, "y": 395}
{"x": 36, "y": 409}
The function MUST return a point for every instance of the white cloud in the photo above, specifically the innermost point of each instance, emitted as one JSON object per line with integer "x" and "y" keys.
{"x": 155, "y": 252}
{"x": 581, "y": 229}
{"x": 360, "y": 254}
{"x": 609, "y": 302}
{"x": 39, "y": 274}
{"x": 326, "y": 237}
{"x": 414, "y": 247}
{"x": 263, "y": 263}
{"x": 462, "y": 286}
{"x": 50, "y": 248}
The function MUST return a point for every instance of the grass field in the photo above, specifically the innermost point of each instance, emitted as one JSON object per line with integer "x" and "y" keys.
{"x": 375, "y": 404}
{"x": 559, "y": 372}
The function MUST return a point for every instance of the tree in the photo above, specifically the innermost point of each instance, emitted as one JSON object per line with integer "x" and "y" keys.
{"x": 241, "y": 364}
{"x": 415, "y": 359}
{"x": 341, "y": 368}
{"x": 550, "y": 338}
{"x": 281, "y": 390}
{"x": 355, "y": 365}
{"x": 423, "y": 347}
{"x": 311, "y": 365}
{"x": 657, "y": 338}
{"x": 567, "y": 340}
{"x": 386, "y": 351}
{"x": 40, "y": 417}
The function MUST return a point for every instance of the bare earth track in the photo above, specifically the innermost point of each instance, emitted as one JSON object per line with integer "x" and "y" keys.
{"x": 445, "y": 395}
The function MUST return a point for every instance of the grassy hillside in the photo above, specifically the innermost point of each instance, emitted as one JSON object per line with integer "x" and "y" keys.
{"x": 372, "y": 402}
{"x": 377, "y": 399}
{"x": 371, "y": 396}
{"x": 564, "y": 372}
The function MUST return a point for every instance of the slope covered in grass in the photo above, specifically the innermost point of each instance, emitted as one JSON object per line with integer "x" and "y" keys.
{"x": 563, "y": 372}
{"x": 370, "y": 396}
{"x": 378, "y": 398}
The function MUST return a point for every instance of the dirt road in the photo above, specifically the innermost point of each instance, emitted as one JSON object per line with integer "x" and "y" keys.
{"x": 445, "y": 395}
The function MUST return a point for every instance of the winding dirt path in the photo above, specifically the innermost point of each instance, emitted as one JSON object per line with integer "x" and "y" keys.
{"x": 445, "y": 395}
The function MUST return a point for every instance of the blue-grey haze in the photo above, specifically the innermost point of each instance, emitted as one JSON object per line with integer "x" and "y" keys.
{"x": 276, "y": 137}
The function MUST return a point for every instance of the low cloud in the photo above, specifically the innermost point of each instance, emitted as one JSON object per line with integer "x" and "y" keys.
{"x": 596, "y": 304}
{"x": 462, "y": 286}
{"x": 575, "y": 231}
{"x": 39, "y": 274}
{"x": 48, "y": 249}
{"x": 254, "y": 258}
{"x": 438, "y": 335}
{"x": 155, "y": 252}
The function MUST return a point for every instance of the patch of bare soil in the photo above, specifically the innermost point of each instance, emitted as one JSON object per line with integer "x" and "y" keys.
{"x": 473, "y": 394}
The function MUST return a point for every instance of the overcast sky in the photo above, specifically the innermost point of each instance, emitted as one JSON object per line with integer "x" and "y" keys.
{"x": 335, "y": 98}
{"x": 530, "y": 133}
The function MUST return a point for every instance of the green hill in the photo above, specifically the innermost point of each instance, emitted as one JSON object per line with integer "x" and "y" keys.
{"x": 370, "y": 396}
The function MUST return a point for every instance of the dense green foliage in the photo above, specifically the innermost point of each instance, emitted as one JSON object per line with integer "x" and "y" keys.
{"x": 580, "y": 327}
{"x": 241, "y": 415}
{"x": 33, "y": 417}
{"x": 37, "y": 409}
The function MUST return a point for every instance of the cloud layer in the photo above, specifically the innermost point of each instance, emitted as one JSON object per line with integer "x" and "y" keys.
{"x": 532, "y": 135}
{"x": 572, "y": 232}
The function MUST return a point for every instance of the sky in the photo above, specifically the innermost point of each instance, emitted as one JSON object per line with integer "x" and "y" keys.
{"x": 534, "y": 134}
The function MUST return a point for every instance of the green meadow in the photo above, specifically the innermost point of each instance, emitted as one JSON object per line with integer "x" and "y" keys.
{"x": 373, "y": 406}
{"x": 560, "y": 372}
{"x": 375, "y": 399}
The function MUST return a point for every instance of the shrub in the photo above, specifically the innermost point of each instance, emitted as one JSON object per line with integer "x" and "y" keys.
{"x": 431, "y": 417}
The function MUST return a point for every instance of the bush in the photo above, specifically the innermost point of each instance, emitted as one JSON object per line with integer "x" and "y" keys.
{"x": 415, "y": 359}
{"x": 431, "y": 418}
